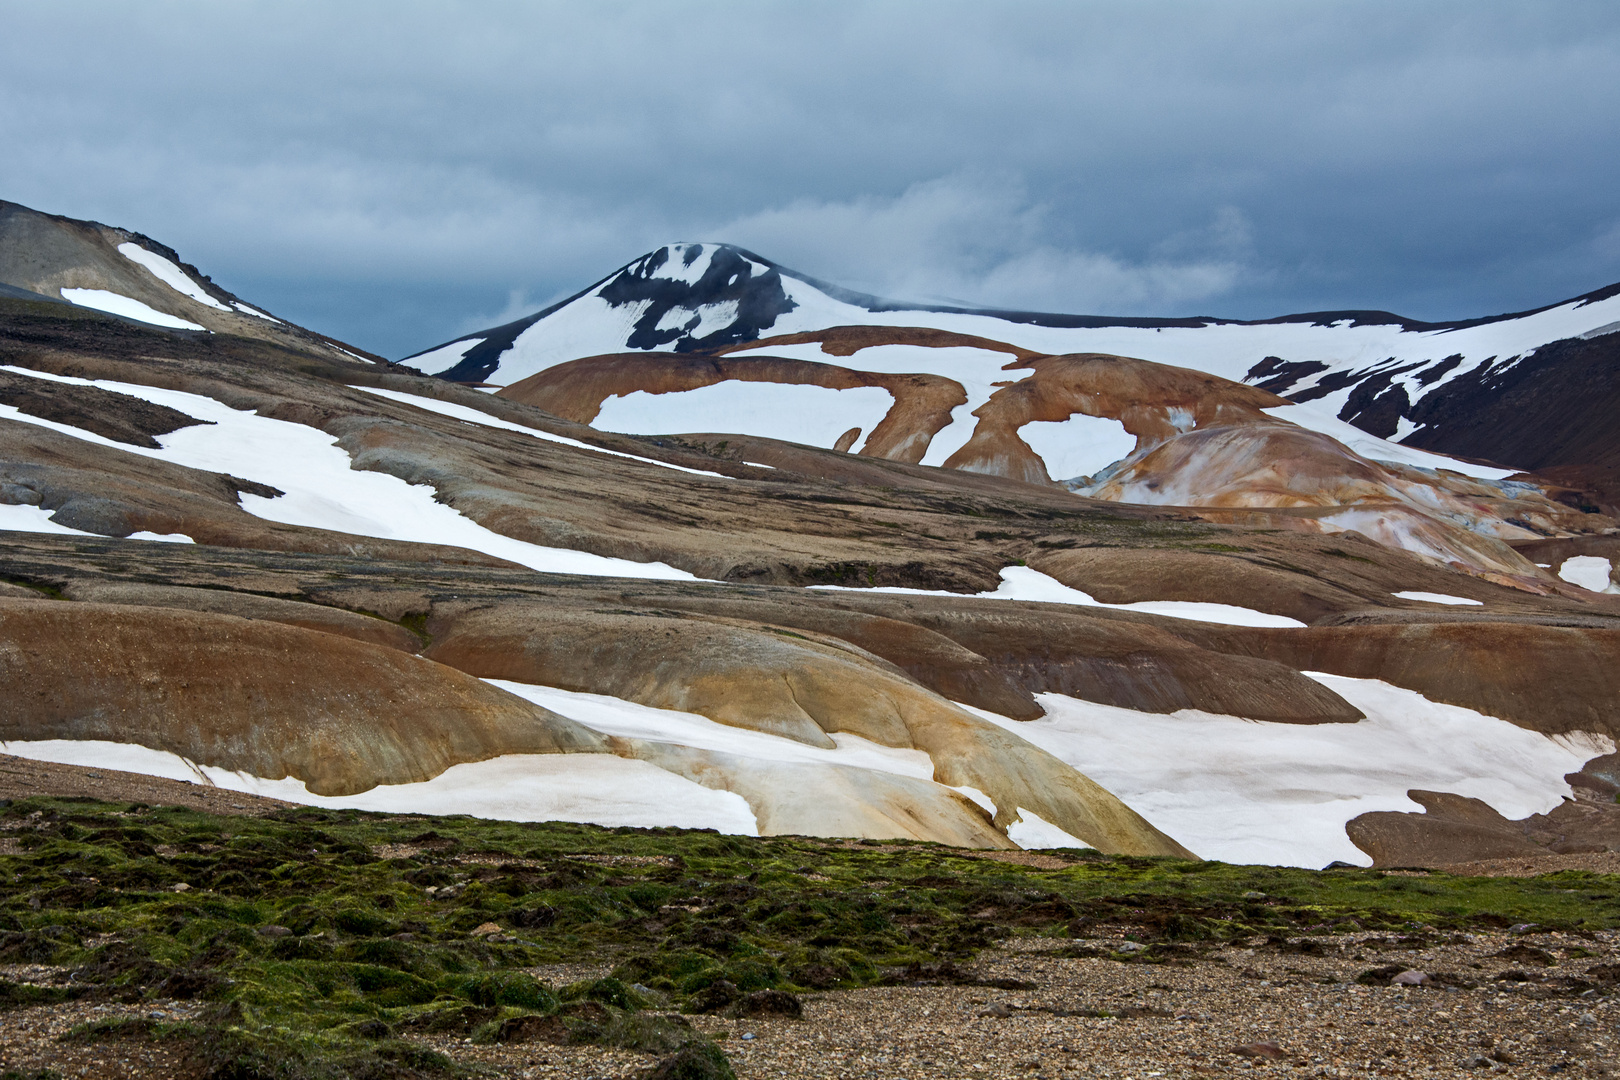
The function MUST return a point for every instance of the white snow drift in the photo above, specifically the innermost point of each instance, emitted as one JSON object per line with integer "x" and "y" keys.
{"x": 1437, "y": 598}
{"x": 1589, "y": 572}
{"x": 810, "y": 415}
{"x": 1253, "y": 792}
{"x": 172, "y": 276}
{"x": 1024, "y": 583}
{"x": 322, "y": 490}
{"x": 115, "y": 304}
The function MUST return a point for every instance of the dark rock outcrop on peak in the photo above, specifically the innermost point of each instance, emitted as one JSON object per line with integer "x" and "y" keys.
{"x": 1555, "y": 407}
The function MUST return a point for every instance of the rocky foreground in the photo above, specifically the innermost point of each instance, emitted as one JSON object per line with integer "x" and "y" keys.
{"x": 233, "y": 937}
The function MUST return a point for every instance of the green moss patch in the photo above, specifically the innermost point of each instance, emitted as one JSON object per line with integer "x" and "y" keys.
{"x": 322, "y": 942}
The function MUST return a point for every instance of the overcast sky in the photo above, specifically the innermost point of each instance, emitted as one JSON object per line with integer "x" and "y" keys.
{"x": 397, "y": 173}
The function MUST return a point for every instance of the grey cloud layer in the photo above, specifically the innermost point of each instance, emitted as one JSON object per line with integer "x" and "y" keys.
{"x": 397, "y": 172}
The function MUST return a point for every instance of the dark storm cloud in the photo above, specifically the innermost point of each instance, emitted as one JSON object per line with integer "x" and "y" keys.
{"x": 398, "y": 173}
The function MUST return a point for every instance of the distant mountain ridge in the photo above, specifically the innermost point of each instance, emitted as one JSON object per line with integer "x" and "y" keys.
{"x": 1493, "y": 387}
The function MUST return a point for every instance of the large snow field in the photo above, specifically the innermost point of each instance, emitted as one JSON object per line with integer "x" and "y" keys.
{"x": 1079, "y": 446}
{"x": 591, "y": 326}
{"x": 322, "y": 490}
{"x": 116, "y": 304}
{"x": 1589, "y": 572}
{"x": 172, "y": 276}
{"x": 811, "y": 415}
{"x": 468, "y": 415}
{"x": 598, "y": 789}
{"x": 1084, "y": 445}
{"x": 1024, "y": 583}
{"x": 1245, "y": 791}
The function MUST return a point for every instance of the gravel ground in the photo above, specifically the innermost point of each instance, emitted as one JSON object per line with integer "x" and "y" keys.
{"x": 1209, "y": 1014}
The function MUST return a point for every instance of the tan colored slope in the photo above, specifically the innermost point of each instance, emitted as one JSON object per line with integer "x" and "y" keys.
{"x": 796, "y": 799}
{"x": 255, "y": 696}
{"x": 576, "y": 390}
{"x": 787, "y": 685}
{"x": 995, "y": 655}
{"x": 329, "y": 620}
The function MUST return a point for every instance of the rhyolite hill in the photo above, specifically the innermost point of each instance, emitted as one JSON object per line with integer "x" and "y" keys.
{"x": 713, "y": 544}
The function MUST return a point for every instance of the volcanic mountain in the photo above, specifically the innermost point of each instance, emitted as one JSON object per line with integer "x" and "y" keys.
{"x": 731, "y": 548}
{"x": 1533, "y": 390}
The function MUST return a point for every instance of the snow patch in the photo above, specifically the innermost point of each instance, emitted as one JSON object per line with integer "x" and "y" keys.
{"x": 244, "y": 309}
{"x": 1253, "y": 792}
{"x": 172, "y": 276}
{"x": 616, "y": 716}
{"x": 1023, "y": 583}
{"x": 114, "y": 304}
{"x": 445, "y": 357}
{"x": 1034, "y": 831}
{"x": 1082, "y": 445}
{"x": 36, "y": 519}
{"x": 1589, "y": 572}
{"x": 1437, "y": 598}
{"x": 810, "y": 415}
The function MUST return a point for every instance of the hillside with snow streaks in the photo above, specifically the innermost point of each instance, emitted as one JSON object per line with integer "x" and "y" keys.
{"x": 731, "y": 548}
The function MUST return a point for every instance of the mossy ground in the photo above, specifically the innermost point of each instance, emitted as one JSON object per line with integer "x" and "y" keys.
{"x": 322, "y": 940}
